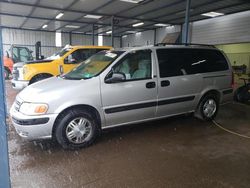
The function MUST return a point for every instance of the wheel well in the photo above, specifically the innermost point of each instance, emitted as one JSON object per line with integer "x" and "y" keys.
{"x": 88, "y": 108}
{"x": 7, "y": 68}
{"x": 47, "y": 75}
{"x": 213, "y": 92}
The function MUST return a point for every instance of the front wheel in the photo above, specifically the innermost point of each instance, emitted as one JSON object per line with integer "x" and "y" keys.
{"x": 6, "y": 74}
{"x": 208, "y": 108}
{"x": 76, "y": 129}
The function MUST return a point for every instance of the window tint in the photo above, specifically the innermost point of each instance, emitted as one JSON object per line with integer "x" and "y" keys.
{"x": 176, "y": 62}
{"x": 136, "y": 65}
{"x": 83, "y": 54}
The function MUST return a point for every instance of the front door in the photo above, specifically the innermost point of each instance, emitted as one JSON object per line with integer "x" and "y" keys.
{"x": 135, "y": 98}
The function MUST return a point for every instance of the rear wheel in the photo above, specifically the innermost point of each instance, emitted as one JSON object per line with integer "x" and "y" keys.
{"x": 76, "y": 129}
{"x": 208, "y": 107}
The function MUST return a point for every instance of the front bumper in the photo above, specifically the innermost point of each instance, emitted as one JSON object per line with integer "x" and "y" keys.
{"x": 33, "y": 127}
{"x": 19, "y": 84}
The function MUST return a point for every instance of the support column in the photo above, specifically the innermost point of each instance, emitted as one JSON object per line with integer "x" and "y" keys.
{"x": 4, "y": 160}
{"x": 186, "y": 25}
{"x": 154, "y": 36}
{"x": 112, "y": 29}
{"x": 70, "y": 38}
{"x": 93, "y": 34}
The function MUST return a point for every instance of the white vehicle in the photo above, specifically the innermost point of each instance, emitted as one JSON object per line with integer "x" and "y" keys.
{"x": 124, "y": 86}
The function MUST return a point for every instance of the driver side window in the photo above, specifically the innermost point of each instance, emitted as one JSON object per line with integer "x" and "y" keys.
{"x": 136, "y": 65}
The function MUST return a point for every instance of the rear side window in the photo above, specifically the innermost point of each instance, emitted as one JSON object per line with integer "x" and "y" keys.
{"x": 177, "y": 62}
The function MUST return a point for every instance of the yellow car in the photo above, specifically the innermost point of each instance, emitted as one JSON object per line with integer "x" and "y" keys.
{"x": 61, "y": 62}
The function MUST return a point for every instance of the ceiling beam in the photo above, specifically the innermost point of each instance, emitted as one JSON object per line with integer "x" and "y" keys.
{"x": 31, "y": 12}
{"x": 98, "y": 8}
{"x": 208, "y": 10}
{"x": 77, "y": 11}
{"x": 62, "y": 20}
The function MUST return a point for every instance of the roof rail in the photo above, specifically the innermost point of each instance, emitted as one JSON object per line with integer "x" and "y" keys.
{"x": 185, "y": 44}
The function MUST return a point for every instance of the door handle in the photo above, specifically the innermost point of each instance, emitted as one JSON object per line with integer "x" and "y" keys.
{"x": 150, "y": 85}
{"x": 165, "y": 83}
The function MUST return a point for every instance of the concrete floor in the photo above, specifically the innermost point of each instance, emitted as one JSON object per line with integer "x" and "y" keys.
{"x": 175, "y": 152}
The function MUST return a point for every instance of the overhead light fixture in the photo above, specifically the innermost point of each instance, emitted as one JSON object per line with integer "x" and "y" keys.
{"x": 212, "y": 14}
{"x": 109, "y": 32}
{"x": 91, "y": 16}
{"x": 72, "y": 26}
{"x": 130, "y": 31}
{"x": 44, "y": 26}
{"x": 138, "y": 33}
{"x": 133, "y": 1}
{"x": 59, "y": 15}
{"x": 138, "y": 24}
{"x": 124, "y": 36}
{"x": 161, "y": 25}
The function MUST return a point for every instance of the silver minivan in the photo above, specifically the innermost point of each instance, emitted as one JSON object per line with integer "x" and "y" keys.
{"x": 124, "y": 86}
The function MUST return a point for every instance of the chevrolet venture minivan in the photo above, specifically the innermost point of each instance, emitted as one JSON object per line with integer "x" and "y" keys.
{"x": 124, "y": 86}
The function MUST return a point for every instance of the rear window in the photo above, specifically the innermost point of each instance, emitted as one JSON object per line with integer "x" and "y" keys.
{"x": 177, "y": 62}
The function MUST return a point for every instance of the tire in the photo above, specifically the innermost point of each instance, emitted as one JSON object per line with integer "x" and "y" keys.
{"x": 76, "y": 129}
{"x": 39, "y": 78}
{"x": 242, "y": 94}
{"x": 6, "y": 74}
{"x": 208, "y": 107}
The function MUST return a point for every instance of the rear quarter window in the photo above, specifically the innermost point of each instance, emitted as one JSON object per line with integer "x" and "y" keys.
{"x": 177, "y": 62}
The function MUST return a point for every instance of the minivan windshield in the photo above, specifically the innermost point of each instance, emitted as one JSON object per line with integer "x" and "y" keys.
{"x": 93, "y": 66}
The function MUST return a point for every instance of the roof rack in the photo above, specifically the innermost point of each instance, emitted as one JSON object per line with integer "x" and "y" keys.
{"x": 185, "y": 44}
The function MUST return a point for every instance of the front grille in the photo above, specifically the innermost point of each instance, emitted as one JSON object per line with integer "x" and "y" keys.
{"x": 15, "y": 73}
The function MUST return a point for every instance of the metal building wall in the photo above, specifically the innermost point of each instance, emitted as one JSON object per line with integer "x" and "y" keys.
{"x": 147, "y": 37}
{"x": 107, "y": 41}
{"x": 234, "y": 28}
{"x": 29, "y": 38}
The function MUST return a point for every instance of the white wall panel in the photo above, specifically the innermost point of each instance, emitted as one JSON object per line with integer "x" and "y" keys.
{"x": 234, "y": 28}
{"x": 107, "y": 41}
{"x": 147, "y": 37}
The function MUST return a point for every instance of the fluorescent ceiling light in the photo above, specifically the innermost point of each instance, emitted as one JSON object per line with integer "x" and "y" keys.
{"x": 91, "y": 16}
{"x": 59, "y": 15}
{"x": 44, "y": 26}
{"x": 212, "y": 14}
{"x": 138, "y": 33}
{"x": 138, "y": 24}
{"x": 161, "y": 25}
{"x": 109, "y": 32}
{"x": 133, "y": 1}
{"x": 72, "y": 26}
{"x": 130, "y": 31}
{"x": 124, "y": 36}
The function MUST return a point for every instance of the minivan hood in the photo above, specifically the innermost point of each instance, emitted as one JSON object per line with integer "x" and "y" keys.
{"x": 51, "y": 89}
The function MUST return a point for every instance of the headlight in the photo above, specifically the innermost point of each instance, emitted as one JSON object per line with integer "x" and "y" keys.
{"x": 33, "y": 108}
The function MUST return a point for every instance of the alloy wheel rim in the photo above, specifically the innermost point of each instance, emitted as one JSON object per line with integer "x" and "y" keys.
{"x": 79, "y": 130}
{"x": 209, "y": 108}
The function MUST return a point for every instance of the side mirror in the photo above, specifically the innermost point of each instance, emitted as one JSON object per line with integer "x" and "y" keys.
{"x": 42, "y": 57}
{"x": 116, "y": 77}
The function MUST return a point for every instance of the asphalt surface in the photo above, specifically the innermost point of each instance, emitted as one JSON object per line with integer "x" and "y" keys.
{"x": 175, "y": 152}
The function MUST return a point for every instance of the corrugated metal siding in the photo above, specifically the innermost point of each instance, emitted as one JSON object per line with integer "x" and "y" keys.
{"x": 233, "y": 28}
{"x": 147, "y": 37}
{"x": 29, "y": 38}
{"x": 107, "y": 42}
